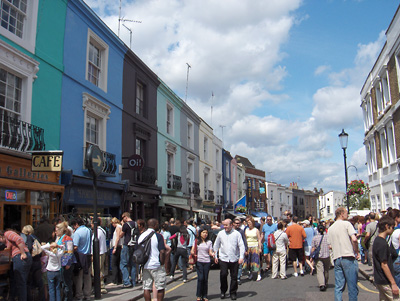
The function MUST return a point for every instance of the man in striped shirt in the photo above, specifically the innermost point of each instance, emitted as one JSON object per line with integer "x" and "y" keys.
{"x": 22, "y": 261}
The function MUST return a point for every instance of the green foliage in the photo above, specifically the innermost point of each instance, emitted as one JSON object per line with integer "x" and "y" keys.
{"x": 358, "y": 195}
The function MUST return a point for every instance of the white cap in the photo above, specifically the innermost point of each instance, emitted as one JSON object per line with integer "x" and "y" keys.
{"x": 307, "y": 222}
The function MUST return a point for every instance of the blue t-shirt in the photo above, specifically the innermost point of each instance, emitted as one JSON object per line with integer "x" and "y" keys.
{"x": 310, "y": 234}
{"x": 267, "y": 230}
{"x": 82, "y": 239}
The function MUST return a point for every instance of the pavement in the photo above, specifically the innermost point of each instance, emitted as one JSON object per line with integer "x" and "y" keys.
{"x": 117, "y": 293}
{"x": 366, "y": 271}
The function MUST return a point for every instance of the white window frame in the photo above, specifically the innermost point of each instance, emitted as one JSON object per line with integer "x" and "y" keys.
{"x": 99, "y": 110}
{"x": 386, "y": 99}
{"x": 103, "y": 47}
{"x": 170, "y": 119}
{"x": 190, "y": 132}
{"x": 205, "y": 148}
{"x": 384, "y": 148}
{"x": 379, "y": 97}
{"x": 28, "y": 40}
{"x": 25, "y": 68}
{"x": 391, "y": 142}
{"x": 233, "y": 174}
{"x": 140, "y": 87}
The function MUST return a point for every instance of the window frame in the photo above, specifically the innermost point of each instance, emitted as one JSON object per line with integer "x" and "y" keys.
{"x": 140, "y": 103}
{"x": 170, "y": 119}
{"x": 190, "y": 133}
{"x": 103, "y": 47}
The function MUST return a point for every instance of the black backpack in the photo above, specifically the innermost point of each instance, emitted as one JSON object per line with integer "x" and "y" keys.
{"x": 142, "y": 253}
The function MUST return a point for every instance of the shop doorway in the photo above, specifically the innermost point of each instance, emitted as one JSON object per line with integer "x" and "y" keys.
{"x": 12, "y": 216}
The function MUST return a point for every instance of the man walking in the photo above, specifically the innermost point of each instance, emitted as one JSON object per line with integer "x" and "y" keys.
{"x": 296, "y": 235}
{"x": 192, "y": 234}
{"x": 236, "y": 226}
{"x": 267, "y": 229}
{"x": 153, "y": 270}
{"x": 343, "y": 240}
{"x": 230, "y": 245}
{"x": 371, "y": 232}
{"x": 126, "y": 261}
{"x": 383, "y": 262}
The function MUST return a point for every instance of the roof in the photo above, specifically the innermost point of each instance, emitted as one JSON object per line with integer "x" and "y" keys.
{"x": 246, "y": 162}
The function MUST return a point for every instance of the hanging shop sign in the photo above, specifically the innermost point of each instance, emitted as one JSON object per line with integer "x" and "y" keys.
{"x": 47, "y": 161}
{"x": 135, "y": 162}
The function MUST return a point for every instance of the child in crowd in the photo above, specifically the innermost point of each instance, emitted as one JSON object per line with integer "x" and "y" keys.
{"x": 54, "y": 252}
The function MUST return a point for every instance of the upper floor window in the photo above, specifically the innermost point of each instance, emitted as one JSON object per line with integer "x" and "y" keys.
{"x": 170, "y": 163}
{"x": 234, "y": 174}
{"x": 95, "y": 123}
{"x": 140, "y": 147}
{"x": 170, "y": 119}
{"x": 10, "y": 94}
{"x": 205, "y": 148}
{"x": 384, "y": 149}
{"x": 391, "y": 143}
{"x": 227, "y": 169}
{"x": 18, "y": 21}
{"x": 217, "y": 159}
{"x": 97, "y": 61}
{"x": 379, "y": 98}
{"x": 190, "y": 140}
{"x": 140, "y": 99}
{"x": 385, "y": 88}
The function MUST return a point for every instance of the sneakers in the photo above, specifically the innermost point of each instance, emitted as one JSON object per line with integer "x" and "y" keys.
{"x": 127, "y": 286}
{"x": 185, "y": 280}
{"x": 259, "y": 278}
{"x": 296, "y": 275}
{"x": 322, "y": 288}
{"x": 250, "y": 276}
{"x": 283, "y": 278}
{"x": 301, "y": 273}
{"x": 171, "y": 277}
{"x": 103, "y": 291}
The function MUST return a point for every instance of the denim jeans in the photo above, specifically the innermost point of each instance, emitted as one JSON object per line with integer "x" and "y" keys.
{"x": 203, "y": 268}
{"x": 21, "y": 270}
{"x": 396, "y": 269}
{"x": 127, "y": 263}
{"x": 346, "y": 270}
{"x": 180, "y": 253}
{"x": 240, "y": 270}
{"x": 54, "y": 282}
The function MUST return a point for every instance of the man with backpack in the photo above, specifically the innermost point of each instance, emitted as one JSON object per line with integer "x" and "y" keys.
{"x": 129, "y": 233}
{"x": 154, "y": 251}
{"x": 267, "y": 229}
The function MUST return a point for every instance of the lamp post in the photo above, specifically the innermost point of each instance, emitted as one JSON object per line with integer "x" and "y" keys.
{"x": 343, "y": 137}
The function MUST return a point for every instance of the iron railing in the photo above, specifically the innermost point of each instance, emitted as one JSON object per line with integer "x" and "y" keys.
{"x": 109, "y": 163}
{"x": 174, "y": 182}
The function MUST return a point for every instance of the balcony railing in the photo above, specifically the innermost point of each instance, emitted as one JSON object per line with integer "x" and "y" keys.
{"x": 20, "y": 135}
{"x": 147, "y": 175}
{"x": 220, "y": 200}
{"x": 196, "y": 188}
{"x": 209, "y": 195}
{"x": 174, "y": 182}
{"x": 109, "y": 163}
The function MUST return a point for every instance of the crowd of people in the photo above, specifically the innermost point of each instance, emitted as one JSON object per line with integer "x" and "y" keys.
{"x": 55, "y": 259}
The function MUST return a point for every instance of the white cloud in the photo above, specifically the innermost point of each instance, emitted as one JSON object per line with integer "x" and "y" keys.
{"x": 322, "y": 69}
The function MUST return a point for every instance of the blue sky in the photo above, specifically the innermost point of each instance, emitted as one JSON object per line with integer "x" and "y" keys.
{"x": 286, "y": 74}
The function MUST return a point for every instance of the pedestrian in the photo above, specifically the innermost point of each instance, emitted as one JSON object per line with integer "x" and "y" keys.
{"x": 44, "y": 231}
{"x": 296, "y": 235}
{"x": 268, "y": 229}
{"x": 154, "y": 271}
{"x": 236, "y": 225}
{"x": 229, "y": 250}
{"x": 126, "y": 263}
{"x": 68, "y": 259}
{"x": 21, "y": 259}
{"x": 343, "y": 240}
{"x": 323, "y": 262}
{"x": 54, "y": 253}
{"x": 202, "y": 249}
{"x": 35, "y": 274}
{"x": 252, "y": 256}
{"x": 371, "y": 233}
{"x": 181, "y": 251}
{"x": 395, "y": 214}
{"x": 116, "y": 245}
{"x": 101, "y": 236}
{"x": 166, "y": 234}
{"x": 383, "y": 256}
{"x": 82, "y": 245}
{"x": 191, "y": 229}
{"x": 279, "y": 256}
{"x": 307, "y": 243}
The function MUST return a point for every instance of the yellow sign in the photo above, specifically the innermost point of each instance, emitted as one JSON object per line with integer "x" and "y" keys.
{"x": 47, "y": 161}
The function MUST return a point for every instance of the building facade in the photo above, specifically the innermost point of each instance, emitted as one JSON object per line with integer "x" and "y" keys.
{"x": 279, "y": 199}
{"x": 329, "y": 202}
{"x": 380, "y": 105}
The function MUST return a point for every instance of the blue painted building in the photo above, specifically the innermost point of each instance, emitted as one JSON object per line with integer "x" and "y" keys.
{"x": 91, "y": 110}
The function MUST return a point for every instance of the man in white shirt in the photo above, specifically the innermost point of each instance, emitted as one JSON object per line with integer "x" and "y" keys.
{"x": 101, "y": 235}
{"x": 153, "y": 270}
{"x": 231, "y": 249}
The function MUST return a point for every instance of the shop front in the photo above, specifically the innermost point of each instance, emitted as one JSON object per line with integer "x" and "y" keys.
{"x": 142, "y": 202}
{"x": 26, "y": 195}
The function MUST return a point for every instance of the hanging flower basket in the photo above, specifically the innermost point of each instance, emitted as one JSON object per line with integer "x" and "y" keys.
{"x": 357, "y": 188}
{"x": 241, "y": 209}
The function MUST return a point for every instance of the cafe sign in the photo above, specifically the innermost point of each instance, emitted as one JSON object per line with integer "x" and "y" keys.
{"x": 47, "y": 161}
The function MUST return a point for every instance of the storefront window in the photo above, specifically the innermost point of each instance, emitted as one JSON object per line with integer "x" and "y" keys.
{"x": 40, "y": 198}
{"x": 12, "y": 195}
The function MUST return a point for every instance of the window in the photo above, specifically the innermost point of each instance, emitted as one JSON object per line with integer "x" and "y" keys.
{"x": 385, "y": 88}
{"x": 234, "y": 196}
{"x": 190, "y": 141}
{"x": 206, "y": 186}
{"x": 328, "y": 209}
{"x": 140, "y": 147}
{"x": 228, "y": 193}
{"x": 140, "y": 99}
{"x": 227, "y": 169}
{"x": 390, "y": 142}
{"x": 97, "y": 61}
{"x": 371, "y": 157}
{"x": 10, "y": 94}
{"x": 234, "y": 174}
{"x": 95, "y": 123}
{"x": 272, "y": 195}
{"x": 384, "y": 149}
{"x": 205, "y": 148}
{"x": 170, "y": 163}
{"x": 216, "y": 159}
{"x": 379, "y": 98}
{"x": 387, "y": 200}
{"x": 18, "y": 22}
{"x": 170, "y": 119}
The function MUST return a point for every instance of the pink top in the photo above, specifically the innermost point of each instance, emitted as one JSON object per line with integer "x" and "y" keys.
{"x": 13, "y": 240}
{"x": 203, "y": 251}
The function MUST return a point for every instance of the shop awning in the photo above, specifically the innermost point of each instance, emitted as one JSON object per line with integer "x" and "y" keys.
{"x": 187, "y": 208}
{"x": 237, "y": 214}
{"x": 259, "y": 213}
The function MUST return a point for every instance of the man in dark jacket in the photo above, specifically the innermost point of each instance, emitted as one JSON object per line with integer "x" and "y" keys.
{"x": 45, "y": 230}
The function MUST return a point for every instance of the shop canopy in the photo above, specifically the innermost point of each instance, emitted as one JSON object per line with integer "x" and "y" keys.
{"x": 259, "y": 213}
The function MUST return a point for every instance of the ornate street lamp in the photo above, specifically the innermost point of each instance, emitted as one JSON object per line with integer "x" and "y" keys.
{"x": 343, "y": 137}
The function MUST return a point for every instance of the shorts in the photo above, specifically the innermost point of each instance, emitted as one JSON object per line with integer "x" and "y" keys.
{"x": 307, "y": 250}
{"x": 266, "y": 250}
{"x": 296, "y": 254}
{"x": 157, "y": 275}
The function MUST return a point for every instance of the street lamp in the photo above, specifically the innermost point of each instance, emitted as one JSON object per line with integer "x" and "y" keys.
{"x": 343, "y": 137}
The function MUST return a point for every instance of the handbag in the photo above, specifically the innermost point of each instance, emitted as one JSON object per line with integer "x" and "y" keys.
{"x": 193, "y": 258}
{"x": 315, "y": 254}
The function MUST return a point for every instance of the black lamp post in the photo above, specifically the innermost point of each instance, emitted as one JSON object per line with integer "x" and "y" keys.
{"x": 343, "y": 137}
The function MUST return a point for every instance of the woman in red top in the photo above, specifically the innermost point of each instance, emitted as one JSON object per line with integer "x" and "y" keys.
{"x": 22, "y": 261}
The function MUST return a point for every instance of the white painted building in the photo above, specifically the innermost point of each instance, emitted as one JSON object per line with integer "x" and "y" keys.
{"x": 329, "y": 202}
{"x": 279, "y": 199}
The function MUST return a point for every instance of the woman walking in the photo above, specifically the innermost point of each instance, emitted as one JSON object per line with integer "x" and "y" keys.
{"x": 202, "y": 248}
{"x": 181, "y": 251}
{"x": 323, "y": 261}
{"x": 67, "y": 260}
{"x": 116, "y": 244}
{"x": 252, "y": 257}
{"x": 279, "y": 256}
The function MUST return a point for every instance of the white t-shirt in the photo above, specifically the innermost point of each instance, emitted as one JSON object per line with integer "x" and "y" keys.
{"x": 101, "y": 235}
{"x": 339, "y": 237}
{"x": 395, "y": 238}
{"x": 157, "y": 244}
